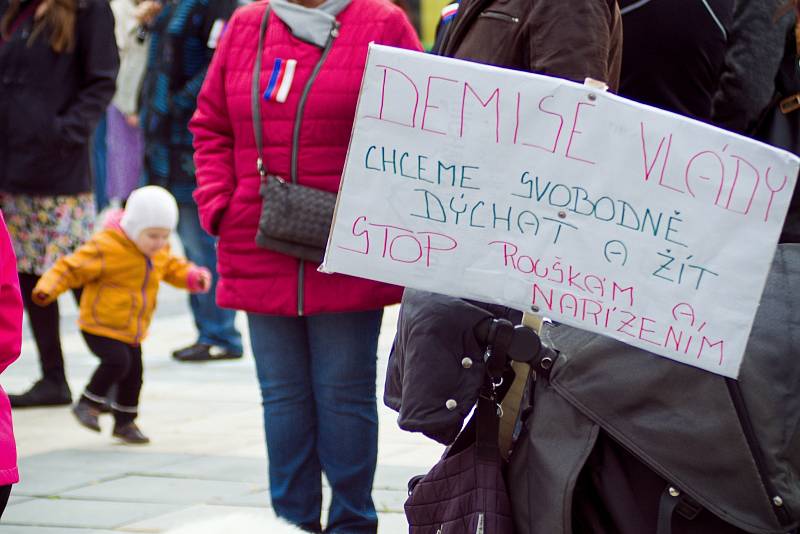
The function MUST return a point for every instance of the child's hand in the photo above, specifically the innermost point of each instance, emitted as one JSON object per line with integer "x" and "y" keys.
{"x": 199, "y": 279}
{"x": 146, "y": 11}
{"x": 204, "y": 280}
{"x": 40, "y": 298}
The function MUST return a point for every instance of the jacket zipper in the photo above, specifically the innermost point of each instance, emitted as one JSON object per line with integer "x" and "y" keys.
{"x": 778, "y": 505}
{"x": 499, "y": 16}
{"x": 298, "y": 121}
{"x": 463, "y": 22}
{"x": 148, "y": 266}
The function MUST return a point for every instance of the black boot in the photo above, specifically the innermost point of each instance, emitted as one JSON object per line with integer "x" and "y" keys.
{"x": 130, "y": 433}
{"x": 87, "y": 413}
{"x": 43, "y": 393}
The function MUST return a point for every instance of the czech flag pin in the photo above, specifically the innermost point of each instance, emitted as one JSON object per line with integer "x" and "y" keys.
{"x": 449, "y": 12}
{"x": 280, "y": 81}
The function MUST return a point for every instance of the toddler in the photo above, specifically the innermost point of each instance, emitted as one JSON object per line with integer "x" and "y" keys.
{"x": 120, "y": 270}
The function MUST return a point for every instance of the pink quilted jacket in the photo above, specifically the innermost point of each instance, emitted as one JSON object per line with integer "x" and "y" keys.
{"x": 10, "y": 345}
{"x": 251, "y": 278}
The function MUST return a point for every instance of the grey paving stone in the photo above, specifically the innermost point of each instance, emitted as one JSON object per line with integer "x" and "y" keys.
{"x": 229, "y": 468}
{"x": 388, "y": 523}
{"x": 17, "y": 499}
{"x": 389, "y": 500}
{"x": 396, "y": 476}
{"x": 392, "y": 524}
{"x": 81, "y": 513}
{"x": 254, "y": 499}
{"x": 43, "y": 481}
{"x": 18, "y": 529}
{"x": 141, "y": 489}
{"x": 192, "y": 515}
{"x": 107, "y": 462}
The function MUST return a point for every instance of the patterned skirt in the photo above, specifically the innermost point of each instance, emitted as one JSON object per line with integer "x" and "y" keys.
{"x": 45, "y": 228}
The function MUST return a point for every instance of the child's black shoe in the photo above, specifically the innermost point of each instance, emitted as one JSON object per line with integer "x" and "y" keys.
{"x": 130, "y": 433}
{"x": 87, "y": 415}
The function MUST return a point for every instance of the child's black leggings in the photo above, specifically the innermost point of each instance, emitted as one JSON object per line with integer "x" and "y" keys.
{"x": 44, "y": 325}
{"x": 120, "y": 364}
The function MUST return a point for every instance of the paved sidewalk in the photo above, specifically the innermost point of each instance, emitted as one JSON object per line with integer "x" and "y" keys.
{"x": 207, "y": 456}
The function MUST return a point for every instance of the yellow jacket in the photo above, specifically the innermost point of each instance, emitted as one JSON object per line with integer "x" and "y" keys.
{"x": 119, "y": 283}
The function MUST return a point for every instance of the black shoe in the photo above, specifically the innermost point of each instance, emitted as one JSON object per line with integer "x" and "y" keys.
{"x": 130, "y": 433}
{"x": 197, "y": 347}
{"x": 43, "y": 393}
{"x": 87, "y": 415}
{"x": 202, "y": 352}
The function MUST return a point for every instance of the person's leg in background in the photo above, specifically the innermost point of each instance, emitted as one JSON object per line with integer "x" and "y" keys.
{"x": 5, "y": 494}
{"x": 280, "y": 349}
{"x": 218, "y": 337}
{"x": 343, "y": 369}
{"x": 52, "y": 388}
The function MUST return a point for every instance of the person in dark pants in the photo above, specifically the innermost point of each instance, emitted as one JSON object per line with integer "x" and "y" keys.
{"x": 58, "y": 66}
{"x": 183, "y": 39}
{"x": 121, "y": 269}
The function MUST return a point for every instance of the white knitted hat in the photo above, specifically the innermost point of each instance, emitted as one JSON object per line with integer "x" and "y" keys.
{"x": 149, "y": 207}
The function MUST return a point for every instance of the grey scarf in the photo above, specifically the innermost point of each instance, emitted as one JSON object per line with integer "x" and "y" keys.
{"x": 312, "y": 25}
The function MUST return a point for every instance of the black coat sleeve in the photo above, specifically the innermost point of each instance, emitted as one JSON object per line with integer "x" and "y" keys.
{"x": 96, "y": 52}
{"x": 756, "y": 47}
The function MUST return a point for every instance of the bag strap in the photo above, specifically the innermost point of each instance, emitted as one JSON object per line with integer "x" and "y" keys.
{"x": 487, "y": 426}
{"x": 255, "y": 97}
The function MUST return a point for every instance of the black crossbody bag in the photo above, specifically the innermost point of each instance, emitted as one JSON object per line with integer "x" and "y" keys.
{"x": 295, "y": 219}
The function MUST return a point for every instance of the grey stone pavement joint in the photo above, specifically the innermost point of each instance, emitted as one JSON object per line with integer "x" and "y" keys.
{"x": 207, "y": 457}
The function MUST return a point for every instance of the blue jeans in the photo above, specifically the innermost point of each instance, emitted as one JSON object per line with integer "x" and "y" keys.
{"x": 317, "y": 378}
{"x": 214, "y": 324}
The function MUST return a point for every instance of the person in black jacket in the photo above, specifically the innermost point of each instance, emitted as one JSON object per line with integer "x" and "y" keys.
{"x": 58, "y": 66}
{"x": 761, "y": 71}
{"x": 673, "y": 53}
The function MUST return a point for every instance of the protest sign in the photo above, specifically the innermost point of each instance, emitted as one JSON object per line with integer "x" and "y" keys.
{"x": 550, "y": 196}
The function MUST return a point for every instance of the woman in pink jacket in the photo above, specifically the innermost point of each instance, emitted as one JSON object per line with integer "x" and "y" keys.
{"x": 10, "y": 345}
{"x": 314, "y": 336}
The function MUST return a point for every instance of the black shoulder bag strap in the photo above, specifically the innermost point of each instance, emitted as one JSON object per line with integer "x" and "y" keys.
{"x": 255, "y": 97}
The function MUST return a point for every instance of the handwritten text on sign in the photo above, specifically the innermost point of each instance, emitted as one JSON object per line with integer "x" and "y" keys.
{"x": 546, "y": 195}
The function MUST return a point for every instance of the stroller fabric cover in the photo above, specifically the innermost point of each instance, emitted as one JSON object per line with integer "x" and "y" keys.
{"x": 732, "y": 447}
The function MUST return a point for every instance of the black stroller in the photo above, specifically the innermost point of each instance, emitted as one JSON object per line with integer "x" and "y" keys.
{"x": 614, "y": 440}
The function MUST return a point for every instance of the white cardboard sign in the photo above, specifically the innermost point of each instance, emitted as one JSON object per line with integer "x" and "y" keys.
{"x": 546, "y": 195}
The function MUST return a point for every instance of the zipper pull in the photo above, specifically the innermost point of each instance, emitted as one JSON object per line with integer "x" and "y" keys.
{"x": 335, "y": 29}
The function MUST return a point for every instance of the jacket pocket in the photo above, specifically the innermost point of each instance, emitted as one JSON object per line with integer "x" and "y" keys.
{"x": 505, "y": 27}
{"x": 113, "y": 307}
